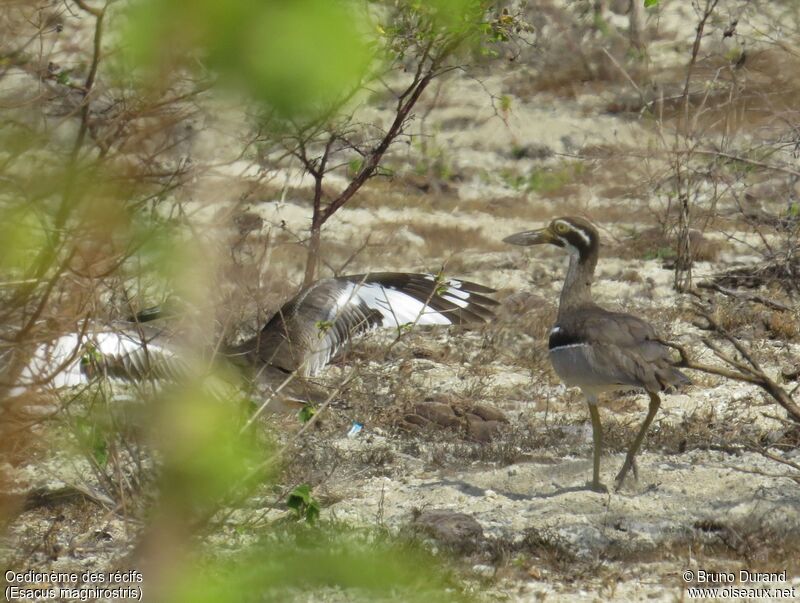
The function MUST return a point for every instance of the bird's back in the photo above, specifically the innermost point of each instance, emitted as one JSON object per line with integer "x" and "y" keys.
{"x": 598, "y": 350}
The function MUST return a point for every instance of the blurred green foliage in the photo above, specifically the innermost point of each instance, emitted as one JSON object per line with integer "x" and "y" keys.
{"x": 303, "y": 58}
{"x": 303, "y": 564}
{"x": 206, "y": 457}
{"x": 295, "y": 57}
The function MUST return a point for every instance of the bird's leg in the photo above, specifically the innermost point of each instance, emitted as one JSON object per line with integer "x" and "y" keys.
{"x": 597, "y": 437}
{"x": 630, "y": 461}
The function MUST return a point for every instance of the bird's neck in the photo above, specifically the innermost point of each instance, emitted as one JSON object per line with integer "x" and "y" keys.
{"x": 577, "y": 289}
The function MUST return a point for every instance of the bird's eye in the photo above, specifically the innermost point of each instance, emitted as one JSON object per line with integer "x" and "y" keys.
{"x": 561, "y": 228}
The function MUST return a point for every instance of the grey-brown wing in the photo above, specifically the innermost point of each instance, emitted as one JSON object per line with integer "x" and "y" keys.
{"x": 627, "y": 350}
{"x": 312, "y": 327}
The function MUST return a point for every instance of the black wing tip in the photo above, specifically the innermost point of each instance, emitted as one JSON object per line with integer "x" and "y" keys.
{"x": 395, "y": 278}
{"x": 146, "y": 315}
{"x": 169, "y": 308}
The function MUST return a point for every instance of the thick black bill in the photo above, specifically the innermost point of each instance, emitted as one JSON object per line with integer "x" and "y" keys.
{"x": 530, "y": 237}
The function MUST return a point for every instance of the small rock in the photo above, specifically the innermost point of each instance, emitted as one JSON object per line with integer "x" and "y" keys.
{"x": 441, "y": 414}
{"x": 458, "y": 531}
{"x": 485, "y": 571}
{"x": 488, "y": 413}
{"x": 483, "y": 431}
{"x": 414, "y": 422}
{"x": 247, "y": 222}
{"x": 790, "y": 373}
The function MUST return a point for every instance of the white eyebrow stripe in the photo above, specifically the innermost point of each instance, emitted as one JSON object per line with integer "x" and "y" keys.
{"x": 580, "y": 232}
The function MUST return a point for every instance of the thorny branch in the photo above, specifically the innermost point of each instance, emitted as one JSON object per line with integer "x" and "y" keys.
{"x": 751, "y": 372}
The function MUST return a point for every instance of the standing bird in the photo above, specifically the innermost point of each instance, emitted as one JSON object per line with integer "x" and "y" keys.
{"x": 597, "y": 350}
{"x": 302, "y": 337}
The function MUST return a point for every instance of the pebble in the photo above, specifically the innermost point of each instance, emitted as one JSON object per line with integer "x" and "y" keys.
{"x": 485, "y": 571}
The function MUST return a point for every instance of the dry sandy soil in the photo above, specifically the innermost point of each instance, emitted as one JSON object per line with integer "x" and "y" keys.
{"x": 506, "y": 501}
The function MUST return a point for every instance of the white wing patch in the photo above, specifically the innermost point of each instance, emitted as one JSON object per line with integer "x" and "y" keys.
{"x": 461, "y": 302}
{"x": 398, "y": 308}
{"x": 59, "y": 363}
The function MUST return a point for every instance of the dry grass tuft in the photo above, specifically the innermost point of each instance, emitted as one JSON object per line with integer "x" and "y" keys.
{"x": 443, "y": 241}
{"x": 657, "y": 243}
{"x": 748, "y": 93}
{"x": 782, "y": 325}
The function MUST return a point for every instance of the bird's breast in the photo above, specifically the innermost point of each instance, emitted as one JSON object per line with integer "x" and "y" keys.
{"x": 562, "y": 337}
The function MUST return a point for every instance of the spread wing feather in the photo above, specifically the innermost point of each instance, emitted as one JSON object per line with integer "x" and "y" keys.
{"x": 311, "y": 328}
{"x": 73, "y": 359}
{"x": 305, "y": 334}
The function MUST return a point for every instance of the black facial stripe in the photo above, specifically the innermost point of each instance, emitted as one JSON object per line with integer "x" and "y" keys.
{"x": 578, "y": 239}
{"x": 581, "y": 239}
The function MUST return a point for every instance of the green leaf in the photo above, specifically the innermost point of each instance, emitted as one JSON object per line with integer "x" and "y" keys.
{"x": 650, "y": 3}
{"x": 304, "y": 505}
{"x": 306, "y": 413}
{"x": 299, "y": 497}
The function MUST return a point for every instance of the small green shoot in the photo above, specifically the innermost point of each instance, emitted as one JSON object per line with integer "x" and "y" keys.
{"x": 94, "y": 441}
{"x": 324, "y": 326}
{"x": 354, "y": 166}
{"x": 662, "y": 253}
{"x": 405, "y": 328}
{"x": 90, "y": 359}
{"x": 442, "y": 284}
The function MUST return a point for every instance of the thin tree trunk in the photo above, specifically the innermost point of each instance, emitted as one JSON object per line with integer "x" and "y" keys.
{"x": 312, "y": 259}
{"x": 683, "y": 261}
{"x": 636, "y": 25}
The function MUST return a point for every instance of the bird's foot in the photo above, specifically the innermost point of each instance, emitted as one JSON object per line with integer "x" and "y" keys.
{"x": 598, "y": 487}
{"x": 623, "y": 473}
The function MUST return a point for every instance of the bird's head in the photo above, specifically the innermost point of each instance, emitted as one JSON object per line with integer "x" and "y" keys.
{"x": 577, "y": 235}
